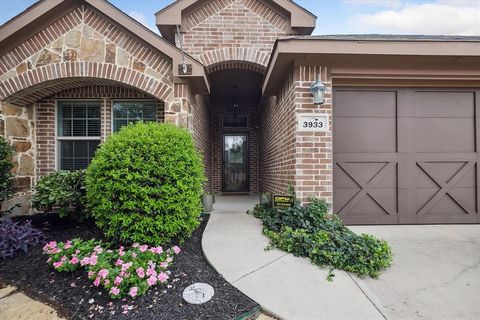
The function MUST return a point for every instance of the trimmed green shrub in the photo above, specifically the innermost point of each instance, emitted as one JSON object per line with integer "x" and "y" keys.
{"x": 6, "y": 165}
{"x": 62, "y": 192}
{"x": 145, "y": 184}
{"x": 310, "y": 232}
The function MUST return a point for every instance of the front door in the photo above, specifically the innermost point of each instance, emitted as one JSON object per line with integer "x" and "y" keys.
{"x": 235, "y": 164}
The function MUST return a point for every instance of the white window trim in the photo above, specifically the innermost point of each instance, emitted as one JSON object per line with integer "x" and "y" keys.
{"x": 61, "y": 138}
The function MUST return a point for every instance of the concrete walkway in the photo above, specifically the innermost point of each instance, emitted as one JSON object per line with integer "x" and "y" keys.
{"x": 14, "y": 305}
{"x": 435, "y": 273}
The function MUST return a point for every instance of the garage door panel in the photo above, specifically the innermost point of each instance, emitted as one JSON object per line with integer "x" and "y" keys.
{"x": 369, "y": 210}
{"x": 355, "y": 103}
{"x": 361, "y": 173}
{"x": 455, "y": 201}
{"x": 430, "y": 151}
{"x": 365, "y": 135}
{"x": 441, "y": 172}
{"x": 444, "y": 135}
{"x": 444, "y": 104}
{"x": 343, "y": 196}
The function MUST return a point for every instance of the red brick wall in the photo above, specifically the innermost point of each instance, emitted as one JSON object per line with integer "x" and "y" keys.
{"x": 45, "y": 118}
{"x": 277, "y": 138}
{"x": 313, "y": 150}
{"x": 45, "y": 137}
{"x": 218, "y": 110}
{"x": 202, "y": 133}
{"x": 224, "y": 30}
{"x": 302, "y": 159}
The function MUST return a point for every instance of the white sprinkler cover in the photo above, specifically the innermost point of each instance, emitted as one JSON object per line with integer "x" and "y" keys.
{"x": 198, "y": 293}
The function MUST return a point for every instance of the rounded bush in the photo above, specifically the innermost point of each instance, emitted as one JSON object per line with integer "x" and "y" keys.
{"x": 145, "y": 184}
{"x": 6, "y": 165}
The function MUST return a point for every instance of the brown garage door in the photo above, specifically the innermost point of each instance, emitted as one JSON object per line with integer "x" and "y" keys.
{"x": 406, "y": 156}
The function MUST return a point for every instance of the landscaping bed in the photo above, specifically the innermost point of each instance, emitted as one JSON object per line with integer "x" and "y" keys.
{"x": 75, "y": 297}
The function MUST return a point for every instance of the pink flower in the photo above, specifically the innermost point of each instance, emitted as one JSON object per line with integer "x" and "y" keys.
{"x": 115, "y": 291}
{"x": 176, "y": 250}
{"x": 164, "y": 265}
{"x": 103, "y": 273}
{"x": 74, "y": 260}
{"x": 121, "y": 253}
{"x": 141, "y": 272}
{"x": 67, "y": 245}
{"x": 96, "y": 283}
{"x": 107, "y": 282}
{"x": 133, "y": 291}
{"x": 125, "y": 266}
{"x": 90, "y": 273}
{"x": 143, "y": 248}
{"x": 57, "y": 264}
{"x": 77, "y": 251}
{"x": 135, "y": 245}
{"x": 162, "y": 277}
{"x": 118, "y": 280}
{"x": 134, "y": 254}
{"x": 151, "y": 272}
{"x": 169, "y": 259}
{"x": 93, "y": 259}
{"x": 118, "y": 262}
{"x": 98, "y": 249}
{"x": 151, "y": 281}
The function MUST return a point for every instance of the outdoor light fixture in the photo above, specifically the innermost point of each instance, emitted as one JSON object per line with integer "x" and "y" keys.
{"x": 317, "y": 89}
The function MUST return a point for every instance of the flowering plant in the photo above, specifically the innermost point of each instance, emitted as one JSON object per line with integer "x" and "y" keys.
{"x": 68, "y": 256}
{"x": 122, "y": 272}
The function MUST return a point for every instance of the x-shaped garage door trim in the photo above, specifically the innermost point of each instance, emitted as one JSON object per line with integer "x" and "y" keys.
{"x": 367, "y": 188}
{"x": 445, "y": 187}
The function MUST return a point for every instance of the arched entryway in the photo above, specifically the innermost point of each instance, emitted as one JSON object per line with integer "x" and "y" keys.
{"x": 235, "y": 95}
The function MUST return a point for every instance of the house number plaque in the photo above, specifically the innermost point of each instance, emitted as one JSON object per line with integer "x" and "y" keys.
{"x": 312, "y": 122}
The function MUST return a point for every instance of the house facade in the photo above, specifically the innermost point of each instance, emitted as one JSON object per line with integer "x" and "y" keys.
{"x": 395, "y": 140}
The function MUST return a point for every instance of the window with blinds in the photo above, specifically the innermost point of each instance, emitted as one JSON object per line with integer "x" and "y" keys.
{"x": 78, "y": 133}
{"x": 125, "y": 112}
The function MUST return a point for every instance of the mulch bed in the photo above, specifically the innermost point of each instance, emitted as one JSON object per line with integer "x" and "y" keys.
{"x": 74, "y": 296}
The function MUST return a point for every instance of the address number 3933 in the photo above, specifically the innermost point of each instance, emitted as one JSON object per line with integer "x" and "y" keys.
{"x": 313, "y": 123}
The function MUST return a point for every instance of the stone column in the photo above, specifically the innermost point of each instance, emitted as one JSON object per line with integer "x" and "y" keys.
{"x": 179, "y": 110}
{"x": 17, "y": 126}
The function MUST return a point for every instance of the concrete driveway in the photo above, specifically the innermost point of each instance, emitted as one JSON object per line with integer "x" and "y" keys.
{"x": 435, "y": 273}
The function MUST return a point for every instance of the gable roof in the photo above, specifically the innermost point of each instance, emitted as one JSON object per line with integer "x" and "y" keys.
{"x": 301, "y": 20}
{"x": 39, "y": 15}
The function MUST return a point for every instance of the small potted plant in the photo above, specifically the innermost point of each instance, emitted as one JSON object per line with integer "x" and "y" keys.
{"x": 208, "y": 199}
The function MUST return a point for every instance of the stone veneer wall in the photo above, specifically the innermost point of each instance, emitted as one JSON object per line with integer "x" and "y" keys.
{"x": 232, "y": 30}
{"x": 17, "y": 127}
{"x": 302, "y": 159}
{"x": 217, "y": 113}
{"x": 82, "y": 44}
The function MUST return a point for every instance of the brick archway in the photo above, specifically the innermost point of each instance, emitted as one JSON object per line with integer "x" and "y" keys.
{"x": 242, "y": 65}
{"x": 29, "y": 86}
{"x": 248, "y": 56}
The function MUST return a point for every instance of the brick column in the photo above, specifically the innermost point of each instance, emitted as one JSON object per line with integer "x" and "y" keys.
{"x": 313, "y": 150}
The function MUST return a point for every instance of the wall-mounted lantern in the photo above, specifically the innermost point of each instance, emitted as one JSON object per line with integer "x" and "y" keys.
{"x": 317, "y": 89}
